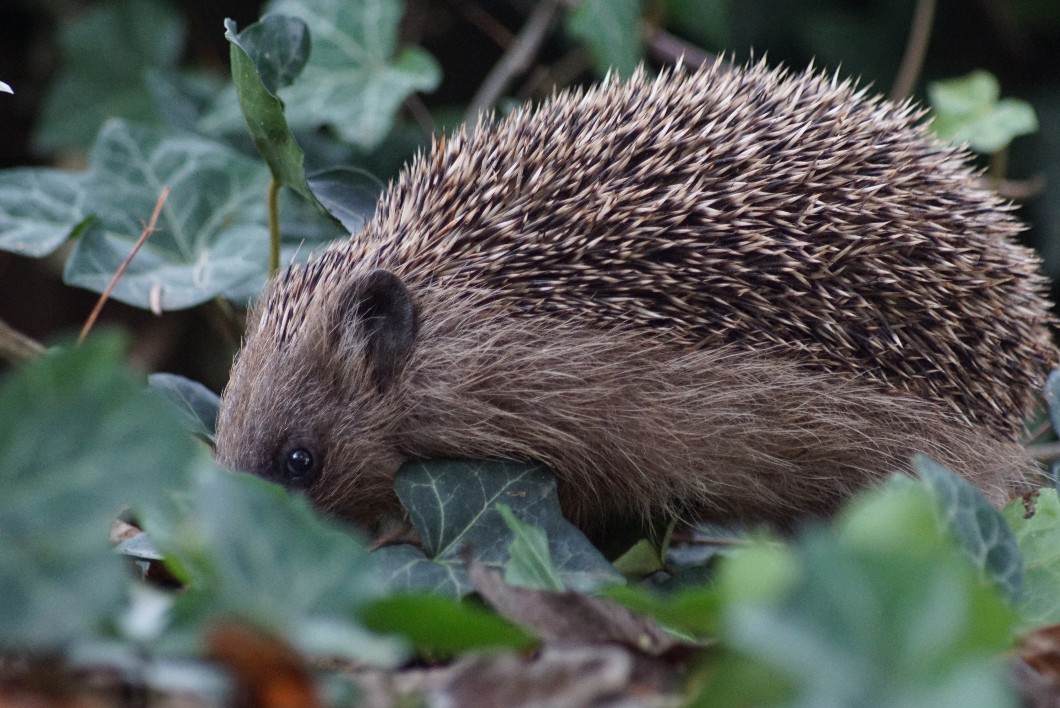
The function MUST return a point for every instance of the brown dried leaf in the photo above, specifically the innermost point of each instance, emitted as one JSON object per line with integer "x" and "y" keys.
{"x": 560, "y": 676}
{"x": 270, "y": 674}
{"x": 570, "y": 616}
{"x": 1036, "y": 672}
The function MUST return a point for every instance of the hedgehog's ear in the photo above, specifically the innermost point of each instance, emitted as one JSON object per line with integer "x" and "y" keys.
{"x": 378, "y": 307}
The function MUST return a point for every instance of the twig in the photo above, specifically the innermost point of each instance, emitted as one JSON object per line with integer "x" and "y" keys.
{"x": 665, "y": 47}
{"x": 1019, "y": 190}
{"x": 515, "y": 60}
{"x": 1043, "y": 429}
{"x": 419, "y": 112}
{"x": 1045, "y": 452}
{"x": 148, "y": 230}
{"x": 544, "y": 80}
{"x": 16, "y": 347}
{"x": 485, "y": 22}
{"x": 915, "y": 50}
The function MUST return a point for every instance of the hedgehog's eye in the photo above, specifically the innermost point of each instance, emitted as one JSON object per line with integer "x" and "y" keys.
{"x": 300, "y": 467}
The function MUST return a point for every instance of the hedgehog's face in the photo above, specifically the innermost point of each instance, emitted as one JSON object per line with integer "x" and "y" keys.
{"x": 318, "y": 413}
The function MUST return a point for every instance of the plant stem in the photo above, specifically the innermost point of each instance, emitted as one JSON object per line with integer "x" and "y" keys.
{"x": 16, "y": 347}
{"x": 148, "y": 229}
{"x": 998, "y": 165}
{"x": 274, "y": 227}
{"x": 915, "y": 50}
{"x": 515, "y": 59}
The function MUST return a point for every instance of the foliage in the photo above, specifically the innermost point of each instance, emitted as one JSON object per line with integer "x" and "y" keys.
{"x": 889, "y": 606}
{"x": 969, "y": 110}
{"x": 452, "y": 507}
{"x": 77, "y": 434}
{"x": 929, "y": 632}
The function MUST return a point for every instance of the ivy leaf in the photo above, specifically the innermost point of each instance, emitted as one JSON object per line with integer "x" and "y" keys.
{"x": 355, "y": 80}
{"x": 181, "y": 98}
{"x": 611, "y": 31}
{"x": 530, "y": 564}
{"x": 250, "y": 550}
{"x": 857, "y": 619}
{"x": 277, "y": 45}
{"x": 39, "y": 209}
{"x": 107, "y": 51}
{"x": 441, "y": 626}
{"x": 196, "y": 404}
{"x": 980, "y": 529}
{"x": 968, "y": 110}
{"x": 1039, "y": 540}
{"x": 264, "y": 56}
{"x": 349, "y": 194}
{"x": 79, "y": 439}
{"x": 452, "y": 505}
{"x": 211, "y": 234}
{"x": 690, "y": 612}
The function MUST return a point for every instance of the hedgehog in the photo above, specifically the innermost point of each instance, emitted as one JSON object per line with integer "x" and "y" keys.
{"x": 728, "y": 293}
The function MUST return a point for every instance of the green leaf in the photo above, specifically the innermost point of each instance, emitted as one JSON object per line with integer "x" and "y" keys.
{"x": 640, "y": 561}
{"x": 250, "y": 550}
{"x": 181, "y": 98}
{"x": 79, "y": 440}
{"x": 611, "y": 31}
{"x": 967, "y": 110}
{"x": 270, "y": 54}
{"x": 976, "y": 524}
{"x": 529, "y": 564}
{"x": 39, "y": 209}
{"x": 355, "y": 79}
{"x": 281, "y": 45}
{"x": 211, "y": 234}
{"x": 860, "y": 622}
{"x": 1039, "y": 541}
{"x": 196, "y": 404}
{"x": 107, "y": 51}
{"x": 441, "y": 626}
{"x": 348, "y": 194}
{"x": 452, "y": 505}
{"x": 278, "y": 46}
{"x": 690, "y": 612}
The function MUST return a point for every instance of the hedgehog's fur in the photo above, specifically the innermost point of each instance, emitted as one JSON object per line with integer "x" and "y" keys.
{"x": 730, "y": 292}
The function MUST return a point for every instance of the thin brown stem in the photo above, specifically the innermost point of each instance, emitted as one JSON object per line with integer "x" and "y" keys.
{"x": 998, "y": 165}
{"x": 419, "y": 112}
{"x": 669, "y": 49}
{"x": 1045, "y": 452}
{"x": 16, "y": 347}
{"x": 485, "y": 22}
{"x": 516, "y": 59}
{"x": 1043, "y": 428}
{"x": 915, "y": 50}
{"x": 1019, "y": 190}
{"x": 149, "y": 229}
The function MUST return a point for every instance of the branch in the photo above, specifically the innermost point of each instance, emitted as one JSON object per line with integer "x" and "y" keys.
{"x": 515, "y": 60}
{"x": 915, "y": 50}
{"x": 665, "y": 47}
{"x": 148, "y": 230}
{"x": 16, "y": 347}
